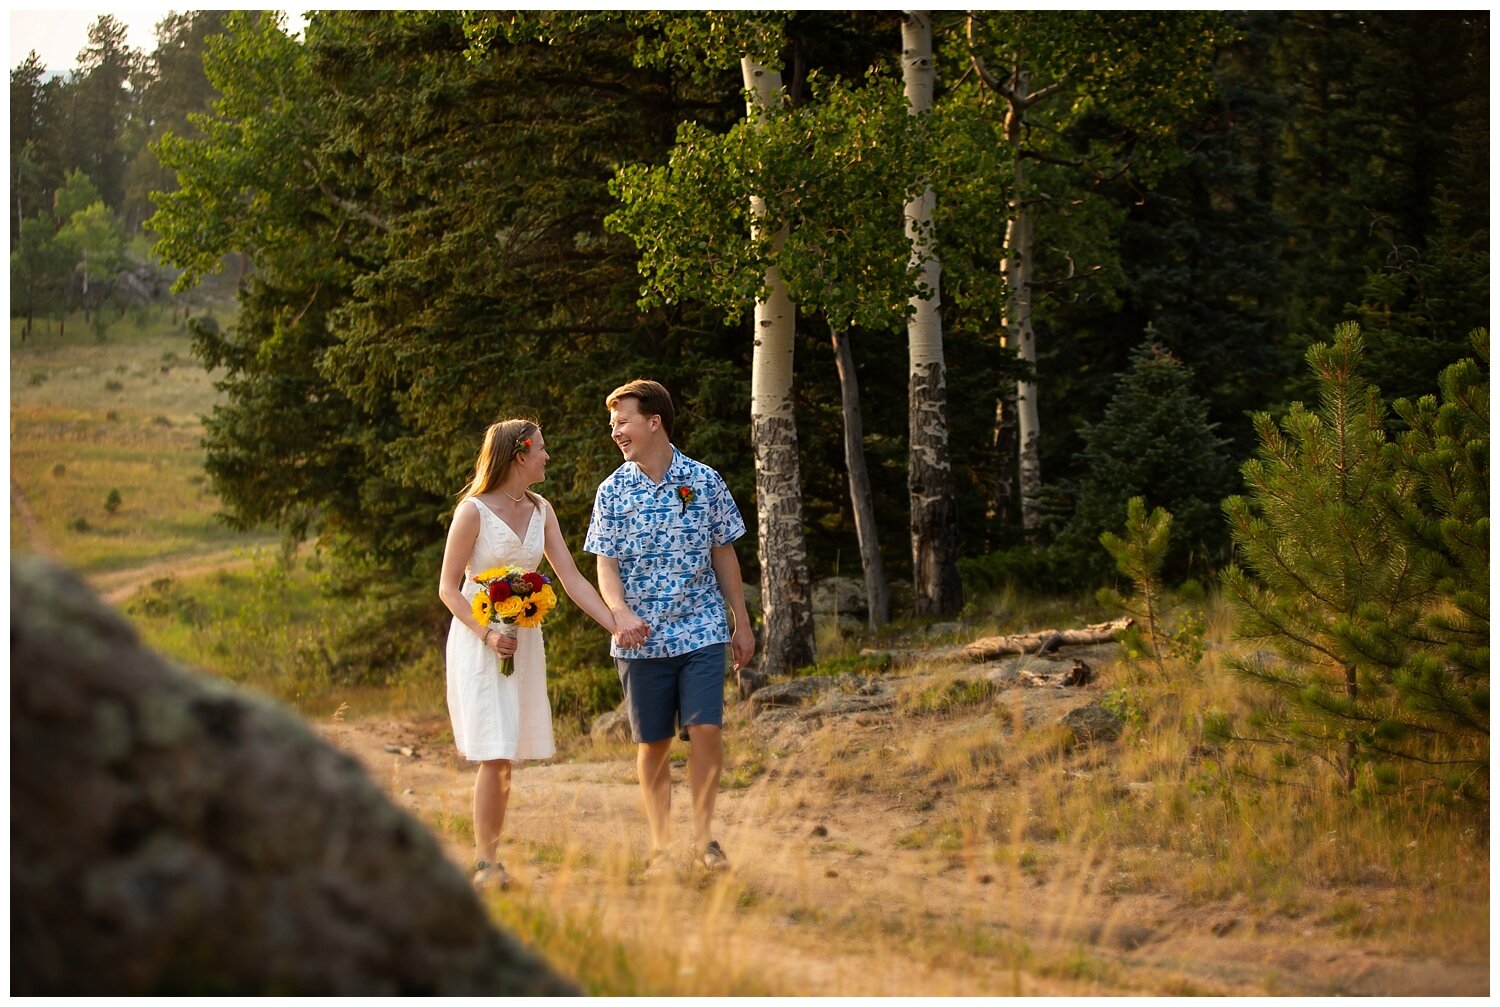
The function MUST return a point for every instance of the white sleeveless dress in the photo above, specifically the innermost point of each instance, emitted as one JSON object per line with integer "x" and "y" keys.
{"x": 495, "y": 716}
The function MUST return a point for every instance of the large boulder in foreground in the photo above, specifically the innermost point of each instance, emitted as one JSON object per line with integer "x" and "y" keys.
{"x": 171, "y": 835}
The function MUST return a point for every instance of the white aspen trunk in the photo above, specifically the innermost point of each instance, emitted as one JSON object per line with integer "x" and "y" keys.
{"x": 1017, "y": 270}
{"x": 1003, "y": 457}
{"x": 860, "y": 497}
{"x": 934, "y": 515}
{"x": 785, "y": 587}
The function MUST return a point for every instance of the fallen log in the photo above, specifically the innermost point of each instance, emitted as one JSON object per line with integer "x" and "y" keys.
{"x": 990, "y": 647}
{"x": 1078, "y": 675}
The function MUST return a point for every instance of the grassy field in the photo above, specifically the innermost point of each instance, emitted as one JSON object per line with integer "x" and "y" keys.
{"x": 105, "y": 448}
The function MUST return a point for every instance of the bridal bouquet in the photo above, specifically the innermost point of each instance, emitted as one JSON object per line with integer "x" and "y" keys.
{"x": 509, "y": 597}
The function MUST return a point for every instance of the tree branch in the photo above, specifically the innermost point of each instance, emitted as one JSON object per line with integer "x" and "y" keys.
{"x": 348, "y": 206}
{"x": 1048, "y": 91}
{"x": 977, "y": 62}
{"x": 1037, "y": 155}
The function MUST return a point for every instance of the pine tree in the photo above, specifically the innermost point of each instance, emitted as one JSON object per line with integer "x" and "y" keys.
{"x": 1322, "y": 561}
{"x": 1139, "y": 555}
{"x": 1155, "y": 441}
{"x": 1439, "y": 658}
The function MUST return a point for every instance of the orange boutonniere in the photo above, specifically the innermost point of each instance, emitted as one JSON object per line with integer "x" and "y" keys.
{"x": 687, "y": 496}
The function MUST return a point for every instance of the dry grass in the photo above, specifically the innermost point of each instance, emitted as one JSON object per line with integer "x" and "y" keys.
{"x": 124, "y": 415}
{"x": 971, "y": 848}
{"x": 1187, "y": 817}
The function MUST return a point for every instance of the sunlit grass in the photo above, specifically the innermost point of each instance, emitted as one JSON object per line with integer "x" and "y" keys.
{"x": 88, "y": 418}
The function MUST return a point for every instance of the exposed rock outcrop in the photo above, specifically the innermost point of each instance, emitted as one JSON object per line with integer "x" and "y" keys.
{"x": 172, "y": 835}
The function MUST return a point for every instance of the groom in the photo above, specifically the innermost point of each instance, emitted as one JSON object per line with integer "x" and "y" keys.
{"x": 662, "y": 530}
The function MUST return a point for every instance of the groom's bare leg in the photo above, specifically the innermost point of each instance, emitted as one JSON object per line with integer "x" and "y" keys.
{"x": 705, "y": 766}
{"x": 654, "y": 768}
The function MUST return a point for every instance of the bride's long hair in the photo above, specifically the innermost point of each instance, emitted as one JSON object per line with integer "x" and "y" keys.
{"x": 503, "y": 441}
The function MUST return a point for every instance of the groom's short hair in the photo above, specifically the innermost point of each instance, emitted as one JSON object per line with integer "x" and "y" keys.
{"x": 652, "y": 399}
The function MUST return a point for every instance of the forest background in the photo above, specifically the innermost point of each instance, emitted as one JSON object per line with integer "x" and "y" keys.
{"x": 429, "y": 221}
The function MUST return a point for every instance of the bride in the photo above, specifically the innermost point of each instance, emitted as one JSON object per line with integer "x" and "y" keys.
{"x": 500, "y": 718}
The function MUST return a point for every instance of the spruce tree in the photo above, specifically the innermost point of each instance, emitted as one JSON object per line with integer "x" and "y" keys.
{"x": 1156, "y": 442}
{"x": 1322, "y": 564}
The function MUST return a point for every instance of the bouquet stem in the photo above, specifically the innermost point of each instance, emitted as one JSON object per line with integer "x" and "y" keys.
{"x": 503, "y": 665}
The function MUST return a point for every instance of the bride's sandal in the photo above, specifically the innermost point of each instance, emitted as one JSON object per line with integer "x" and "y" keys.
{"x": 488, "y": 875}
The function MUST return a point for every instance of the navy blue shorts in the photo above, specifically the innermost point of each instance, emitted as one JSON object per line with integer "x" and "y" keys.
{"x": 662, "y": 692}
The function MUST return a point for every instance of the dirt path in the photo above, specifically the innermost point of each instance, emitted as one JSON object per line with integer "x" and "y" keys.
{"x": 825, "y": 899}
{"x": 36, "y": 536}
{"x": 118, "y": 585}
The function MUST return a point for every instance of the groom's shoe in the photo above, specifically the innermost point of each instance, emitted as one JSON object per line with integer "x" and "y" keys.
{"x": 713, "y": 858}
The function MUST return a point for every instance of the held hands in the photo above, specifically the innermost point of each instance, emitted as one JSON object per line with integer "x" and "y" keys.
{"x": 502, "y": 644}
{"x": 630, "y": 629}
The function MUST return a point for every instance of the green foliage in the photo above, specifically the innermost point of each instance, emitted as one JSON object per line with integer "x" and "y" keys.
{"x": 856, "y": 664}
{"x": 698, "y": 43}
{"x": 97, "y": 241}
{"x": 1439, "y": 659}
{"x": 1329, "y": 574}
{"x": 1105, "y": 112}
{"x": 580, "y": 693}
{"x": 1156, "y": 442}
{"x": 102, "y": 102}
{"x": 1418, "y": 308}
{"x": 947, "y": 695}
{"x": 113, "y": 501}
{"x": 833, "y": 175}
{"x": 294, "y": 634}
{"x": 1139, "y": 555}
{"x": 77, "y": 192}
{"x": 41, "y": 268}
{"x": 1127, "y": 704}
{"x": 1360, "y": 159}
{"x": 1013, "y": 567}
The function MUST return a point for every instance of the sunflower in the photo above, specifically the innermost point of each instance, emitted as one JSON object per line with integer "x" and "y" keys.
{"x": 532, "y": 614}
{"x": 484, "y": 609}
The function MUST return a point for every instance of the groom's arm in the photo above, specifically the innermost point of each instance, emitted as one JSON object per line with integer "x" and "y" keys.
{"x": 727, "y": 570}
{"x": 630, "y": 629}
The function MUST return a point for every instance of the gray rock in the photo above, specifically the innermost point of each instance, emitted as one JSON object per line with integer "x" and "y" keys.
{"x": 748, "y": 681}
{"x": 611, "y": 726}
{"x": 840, "y": 596}
{"x": 941, "y": 630}
{"x": 1092, "y": 723}
{"x": 793, "y": 692}
{"x": 843, "y": 704}
{"x": 171, "y": 835}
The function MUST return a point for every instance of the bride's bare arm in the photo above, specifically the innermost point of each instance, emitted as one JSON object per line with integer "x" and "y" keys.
{"x": 576, "y": 584}
{"x": 462, "y": 534}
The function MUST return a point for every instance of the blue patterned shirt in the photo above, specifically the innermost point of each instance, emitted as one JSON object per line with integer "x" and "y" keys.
{"x": 663, "y": 545}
